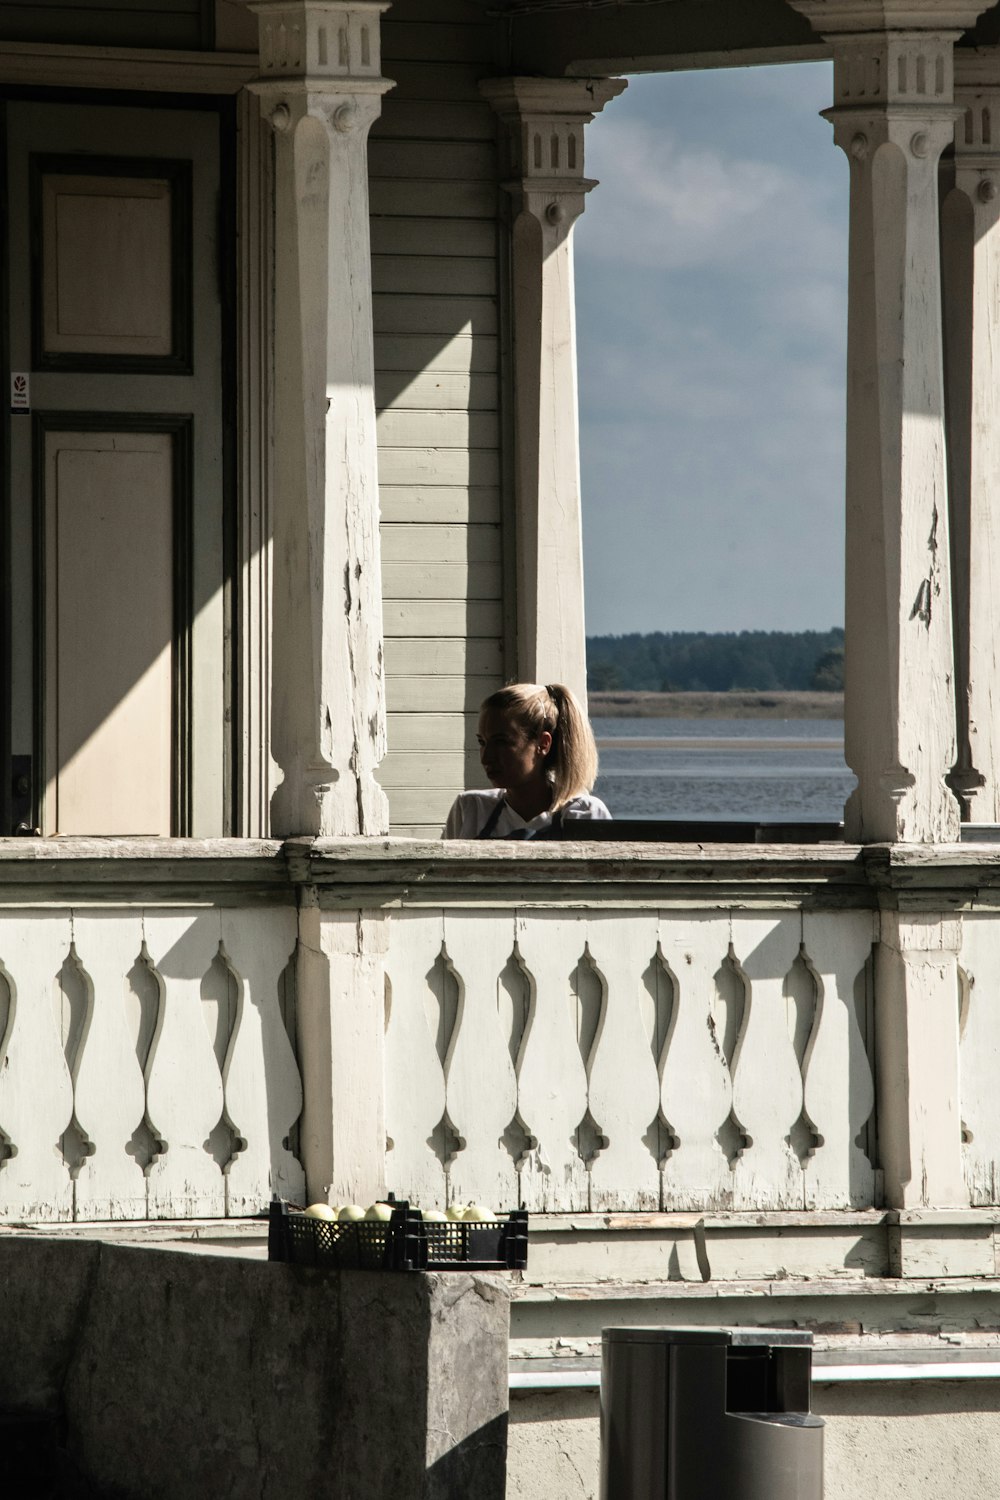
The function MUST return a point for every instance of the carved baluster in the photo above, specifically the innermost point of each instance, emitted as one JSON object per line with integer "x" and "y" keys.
{"x": 73, "y": 1002}
{"x": 767, "y": 1086}
{"x": 184, "y": 1093}
{"x": 658, "y": 1002}
{"x": 696, "y": 1090}
{"x": 624, "y": 1087}
{"x": 414, "y": 1076}
{"x": 143, "y": 1012}
{"x": 263, "y": 1091}
{"x": 803, "y": 994}
{"x": 109, "y": 1094}
{"x": 516, "y": 1005}
{"x": 552, "y": 1077}
{"x": 481, "y": 1088}
{"x": 222, "y": 1005}
{"x": 839, "y": 1089}
{"x": 7, "y": 1009}
{"x": 36, "y": 1091}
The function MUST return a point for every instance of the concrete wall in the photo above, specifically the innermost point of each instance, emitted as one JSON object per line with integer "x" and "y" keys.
{"x": 177, "y": 1374}
{"x": 888, "y": 1439}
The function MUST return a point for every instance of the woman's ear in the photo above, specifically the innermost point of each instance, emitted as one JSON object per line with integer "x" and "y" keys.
{"x": 545, "y": 741}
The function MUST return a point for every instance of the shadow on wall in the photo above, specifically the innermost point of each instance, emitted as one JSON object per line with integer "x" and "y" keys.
{"x": 475, "y": 1466}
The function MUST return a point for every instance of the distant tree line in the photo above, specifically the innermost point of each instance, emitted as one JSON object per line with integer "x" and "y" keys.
{"x": 699, "y": 662}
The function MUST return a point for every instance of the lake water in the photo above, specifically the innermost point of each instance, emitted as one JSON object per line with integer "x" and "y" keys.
{"x": 761, "y": 770}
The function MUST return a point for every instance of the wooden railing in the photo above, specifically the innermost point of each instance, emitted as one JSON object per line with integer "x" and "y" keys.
{"x": 630, "y": 1060}
{"x": 147, "y": 1063}
{"x": 187, "y": 1029}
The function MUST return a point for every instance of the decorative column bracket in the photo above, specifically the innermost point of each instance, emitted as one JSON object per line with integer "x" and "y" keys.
{"x": 542, "y": 146}
{"x": 321, "y": 88}
{"x": 970, "y": 233}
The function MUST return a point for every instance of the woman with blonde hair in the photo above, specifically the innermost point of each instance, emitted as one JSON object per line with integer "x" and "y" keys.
{"x": 537, "y": 748}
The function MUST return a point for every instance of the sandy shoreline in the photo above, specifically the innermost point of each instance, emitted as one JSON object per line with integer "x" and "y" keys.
{"x": 630, "y": 705}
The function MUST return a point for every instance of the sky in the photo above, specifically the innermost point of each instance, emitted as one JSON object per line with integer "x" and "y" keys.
{"x": 711, "y": 295}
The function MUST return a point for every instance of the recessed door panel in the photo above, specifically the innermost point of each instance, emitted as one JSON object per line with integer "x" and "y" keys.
{"x": 109, "y": 666}
{"x": 119, "y": 645}
{"x": 127, "y": 309}
{"x": 111, "y": 281}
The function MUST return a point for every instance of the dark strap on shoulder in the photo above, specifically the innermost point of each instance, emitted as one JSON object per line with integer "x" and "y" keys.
{"x": 486, "y": 831}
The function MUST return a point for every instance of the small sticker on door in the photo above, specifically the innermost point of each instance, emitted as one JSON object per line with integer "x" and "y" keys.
{"x": 20, "y": 393}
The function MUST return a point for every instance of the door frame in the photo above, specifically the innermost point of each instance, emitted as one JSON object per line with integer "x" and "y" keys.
{"x": 224, "y": 107}
{"x": 179, "y": 428}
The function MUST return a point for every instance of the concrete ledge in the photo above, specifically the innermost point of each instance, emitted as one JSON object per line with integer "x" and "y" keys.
{"x": 178, "y": 1375}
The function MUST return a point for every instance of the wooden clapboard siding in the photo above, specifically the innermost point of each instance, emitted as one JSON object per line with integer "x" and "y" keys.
{"x": 437, "y": 390}
{"x": 109, "y": 23}
{"x": 428, "y": 41}
{"x": 435, "y": 202}
{"x": 443, "y": 617}
{"x": 470, "y": 275}
{"x": 442, "y": 695}
{"x": 443, "y": 544}
{"x": 414, "y": 313}
{"x": 457, "y": 466}
{"x": 425, "y": 580}
{"x": 422, "y": 808}
{"x": 424, "y": 198}
{"x": 416, "y": 503}
{"x": 435, "y": 161}
{"x": 428, "y": 731}
{"x": 451, "y": 120}
{"x": 414, "y": 655}
{"x": 437, "y": 237}
{"x": 438, "y": 429}
{"x": 430, "y": 768}
{"x": 423, "y": 354}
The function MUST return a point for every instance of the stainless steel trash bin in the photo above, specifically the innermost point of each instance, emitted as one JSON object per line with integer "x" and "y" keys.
{"x": 708, "y": 1414}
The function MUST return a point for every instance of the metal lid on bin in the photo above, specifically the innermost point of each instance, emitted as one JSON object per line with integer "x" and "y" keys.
{"x": 745, "y": 1338}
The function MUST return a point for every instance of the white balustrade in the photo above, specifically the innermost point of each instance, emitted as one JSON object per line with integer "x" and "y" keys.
{"x": 614, "y": 1060}
{"x": 146, "y": 1067}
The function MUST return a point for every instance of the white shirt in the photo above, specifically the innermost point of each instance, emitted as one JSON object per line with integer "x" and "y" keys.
{"x": 470, "y": 812}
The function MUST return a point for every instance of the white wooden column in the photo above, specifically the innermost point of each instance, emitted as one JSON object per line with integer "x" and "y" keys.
{"x": 321, "y": 88}
{"x": 544, "y": 121}
{"x": 917, "y": 1038}
{"x": 971, "y": 266}
{"x": 894, "y": 114}
{"x": 340, "y": 980}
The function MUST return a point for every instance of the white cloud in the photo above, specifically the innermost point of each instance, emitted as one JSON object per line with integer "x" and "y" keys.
{"x": 688, "y": 205}
{"x": 712, "y": 312}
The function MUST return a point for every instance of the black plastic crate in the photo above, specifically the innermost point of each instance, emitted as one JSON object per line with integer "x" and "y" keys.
{"x": 403, "y": 1243}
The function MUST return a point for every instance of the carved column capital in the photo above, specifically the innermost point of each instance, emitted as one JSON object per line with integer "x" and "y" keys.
{"x": 320, "y": 40}
{"x": 893, "y": 64}
{"x": 977, "y": 133}
{"x": 320, "y": 58}
{"x": 543, "y": 143}
{"x": 836, "y": 18}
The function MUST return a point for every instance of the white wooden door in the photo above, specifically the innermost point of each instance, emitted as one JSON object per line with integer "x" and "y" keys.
{"x": 119, "y": 683}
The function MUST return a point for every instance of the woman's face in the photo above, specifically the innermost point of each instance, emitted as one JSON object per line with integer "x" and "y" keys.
{"x": 509, "y": 757}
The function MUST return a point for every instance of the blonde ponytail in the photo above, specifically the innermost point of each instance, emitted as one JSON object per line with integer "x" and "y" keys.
{"x": 572, "y": 762}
